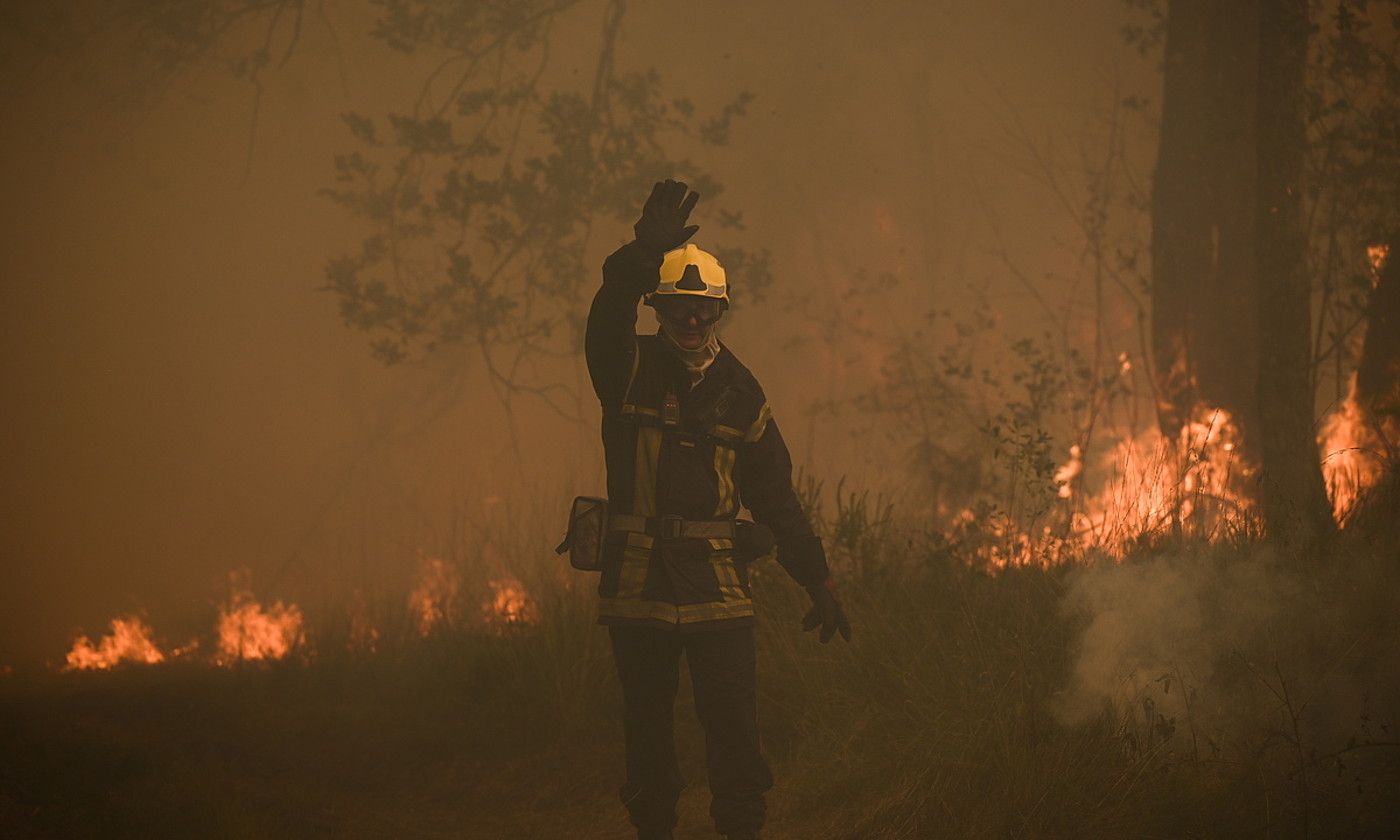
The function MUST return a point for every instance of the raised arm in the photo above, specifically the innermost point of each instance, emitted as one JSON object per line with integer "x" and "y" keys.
{"x": 611, "y": 339}
{"x": 630, "y": 272}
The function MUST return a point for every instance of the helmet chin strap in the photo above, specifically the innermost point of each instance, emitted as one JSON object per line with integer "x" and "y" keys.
{"x": 698, "y": 360}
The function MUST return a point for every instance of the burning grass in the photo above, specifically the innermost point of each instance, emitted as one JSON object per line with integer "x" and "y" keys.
{"x": 1357, "y": 450}
{"x": 129, "y": 641}
{"x": 1192, "y": 486}
{"x": 1190, "y": 688}
{"x": 1135, "y": 663}
{"x": 249, "y": 632}
{"x": 1145, "y": 489}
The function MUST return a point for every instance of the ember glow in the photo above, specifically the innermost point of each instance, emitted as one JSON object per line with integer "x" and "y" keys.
{"x": 129, "y": 641}
{"x": 509, "y": 604}
{"x": 1068, "y": 472}
{"x": 1192, "y": 485}
{"x": 250, "y": 632}
{"x": 433, "y": 600}
{"x": 1376, "y": 255}
{"x": 1354, "y": 452}
{"x": 1146, "y": 487}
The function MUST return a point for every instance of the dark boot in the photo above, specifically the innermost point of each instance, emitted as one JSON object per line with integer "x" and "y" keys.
{"x": 643, "y": 834}
{"x": 742, "y": 835}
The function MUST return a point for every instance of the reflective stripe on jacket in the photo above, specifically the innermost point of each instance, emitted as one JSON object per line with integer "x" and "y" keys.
{"x": 698, "y": 453}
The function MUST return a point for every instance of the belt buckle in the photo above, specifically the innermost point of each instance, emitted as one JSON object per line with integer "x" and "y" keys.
{"x": 671, "y": 526}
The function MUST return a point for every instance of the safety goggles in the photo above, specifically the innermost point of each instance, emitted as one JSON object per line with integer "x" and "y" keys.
{"x": 702, "y": 312}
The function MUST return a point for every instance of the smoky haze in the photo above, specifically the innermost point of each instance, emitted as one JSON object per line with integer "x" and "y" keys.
{"x": 181, "y": 401}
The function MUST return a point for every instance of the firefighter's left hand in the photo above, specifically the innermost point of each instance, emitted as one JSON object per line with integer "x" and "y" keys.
{"x": 826, "y": 612}
{"x": 662, "y": 226}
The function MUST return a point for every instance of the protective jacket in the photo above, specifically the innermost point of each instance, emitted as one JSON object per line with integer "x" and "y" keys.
{"x": 676, "y": 452}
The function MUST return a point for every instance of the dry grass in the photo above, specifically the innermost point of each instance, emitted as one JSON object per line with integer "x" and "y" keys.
{"x": 943, "y": 718}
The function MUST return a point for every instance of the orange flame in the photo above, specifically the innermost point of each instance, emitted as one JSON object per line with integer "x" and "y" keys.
{"x": 247, "y": 631}
{"x": 1068, "y": 472}
{"x": 1351, "y": 449}
{"x": 1000, "y": 543}
{"x": 1192, "y": 485}
{"x": 1376, "y": 255}
{"x": 433, "y": 601}
{"x": 129, "y": 641}
{"x": 509, "y": 604}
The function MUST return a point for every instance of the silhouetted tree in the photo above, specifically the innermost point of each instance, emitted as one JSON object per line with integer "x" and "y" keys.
{"x": 1278, "y": 163}
{"x": 1204, "y": 287}
{"x": 479, "y": 194}
{"x": 1378, "y": 370}
{"x": 480, "y": 197}
{"x": 1352, "y": 197}
{"x": 1291, "y": 489}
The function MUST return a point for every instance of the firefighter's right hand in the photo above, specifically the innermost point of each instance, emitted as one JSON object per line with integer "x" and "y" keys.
{"x": 826, "y": 612}
{"x": 662, "y": 226}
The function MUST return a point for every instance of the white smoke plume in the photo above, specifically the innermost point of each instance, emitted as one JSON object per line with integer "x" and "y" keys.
{"x": 1220, "y": 651}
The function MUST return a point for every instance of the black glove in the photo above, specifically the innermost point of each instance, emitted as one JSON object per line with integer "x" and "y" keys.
{"x": 827, "y": 612}
{"x": 662, "y": 226}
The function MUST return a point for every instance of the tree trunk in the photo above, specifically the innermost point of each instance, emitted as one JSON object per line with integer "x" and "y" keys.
{"x": 1204, "y": 288}
{"x": 1180, "y": 232}
{"x": 1295, "y": 506}
{"x": 1375, "y": 396}
{"x": 1378, "y": 372}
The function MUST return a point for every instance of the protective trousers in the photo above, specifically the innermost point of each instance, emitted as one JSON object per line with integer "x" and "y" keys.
{"x": 722, "y": 670}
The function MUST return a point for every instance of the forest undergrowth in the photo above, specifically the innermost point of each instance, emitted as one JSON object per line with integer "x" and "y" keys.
{"x": 1194, "y": 689}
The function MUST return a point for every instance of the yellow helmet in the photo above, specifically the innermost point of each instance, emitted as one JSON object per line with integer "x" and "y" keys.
{"x": 693, "y": 272}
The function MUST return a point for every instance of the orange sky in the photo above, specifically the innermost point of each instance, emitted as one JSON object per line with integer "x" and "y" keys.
{"x": 180, "y": 401}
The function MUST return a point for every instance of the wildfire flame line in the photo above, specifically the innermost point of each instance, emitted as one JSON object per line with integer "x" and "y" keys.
{"x": 247, "y": 632}
{"x": 435, "y": 600}
{"x": 1353, "y": 448}
{"x": 1192, "y": 484}
{"x": 250, "y": 631}
{"x": 129, "y": 641}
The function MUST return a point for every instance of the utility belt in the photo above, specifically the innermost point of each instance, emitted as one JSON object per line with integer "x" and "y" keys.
{"x": 674, "y": 527}
{"x": 589, "y": 525}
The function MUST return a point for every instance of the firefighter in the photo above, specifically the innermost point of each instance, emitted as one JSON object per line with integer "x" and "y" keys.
{"x": 689, "y": 439}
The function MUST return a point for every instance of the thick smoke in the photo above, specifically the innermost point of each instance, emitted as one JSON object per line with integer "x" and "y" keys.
{"x": 185, "y": 403}
{"x": 1224, "y": 652}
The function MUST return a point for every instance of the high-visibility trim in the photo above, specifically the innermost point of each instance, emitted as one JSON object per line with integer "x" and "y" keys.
{"x": 714, "y": 610}
{"x": 724, "y": 480}
{"x": 636, "y": 608}
{"x": 759, "y": 425}
{"x": 672, "y": 614}
{"x": 636, "y": 365}
{"x": 644, "y": 476}
{"x": 728, "y": 577}
{"x": 636, "y": 556}
{"x": 629, "y": 408}
{"x": 728, "y": 433}
{"x": 633, "y": 574}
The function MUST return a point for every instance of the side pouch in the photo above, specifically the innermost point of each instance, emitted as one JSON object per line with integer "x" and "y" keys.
{"x": 751, "y": 540}
{"x": 588, "y": 526}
